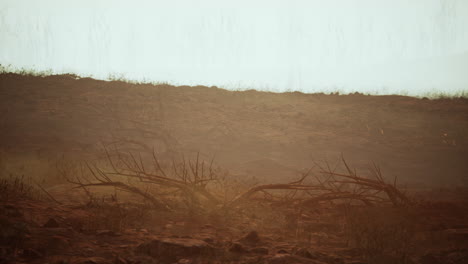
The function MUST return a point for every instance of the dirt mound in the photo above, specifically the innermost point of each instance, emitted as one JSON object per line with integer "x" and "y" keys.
{"x": 420, "y": 141}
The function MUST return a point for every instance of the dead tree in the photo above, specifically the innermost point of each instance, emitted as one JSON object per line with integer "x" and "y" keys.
{"x": 368, "y": 190}
{"x": 190, "y": 181}
{"x": 335, "y": 186}
{"x": 128, "y": 172}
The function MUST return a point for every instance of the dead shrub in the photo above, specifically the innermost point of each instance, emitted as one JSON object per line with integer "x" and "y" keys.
{"x": 13, "y": 187}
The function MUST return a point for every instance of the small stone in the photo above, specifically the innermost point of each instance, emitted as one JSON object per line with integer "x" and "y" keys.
{"x": 31, "y": 254}
{"x": 12, "y": 211}
{"x": 334, "y": 260}
{"x": 237, "y": 248}
{"x": 251, "y": 238}
{"x": 289, "y": 259}
{"x": 305, "y": 253}
{"x": 430, "y": 259}
{"x": 456, "y": 256}
{"x": 119, "y": 260}
{"x": 208, "y": 240}
{"x": 51, "y": 223}
{"x": 260, "y": 250}
{"x": 107, "y": 233}
{"x": 460, "y": 234}
{"x": 12, "y": 231}
{"x": 92, "y": 260}
{"x": 171, "y": 249}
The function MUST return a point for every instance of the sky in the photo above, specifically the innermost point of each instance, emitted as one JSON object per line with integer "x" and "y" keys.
{"x": 373, "y": 46}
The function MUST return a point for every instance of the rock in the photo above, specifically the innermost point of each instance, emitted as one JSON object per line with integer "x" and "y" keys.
{"x": 62, "y": 262}
{"x": 237, "y": 248}
{"x": 282, "y": 251}
{"x": 260, "y": 251}
{"x": 119, "y": 260}
{"x": 107, "y": 233}
{"x": 388, "y": 259}
{"x": 55, "y": 244}
{"x": 310, "y": 254}
{"x": 457, "y": 257}
{"x": 305, "y": 253}
{"x": 76, "y": 222}
{"x": 333, "y": 260}
{"x": 452, "y": 257}
{"x": 51, "y": 223}
{"x": 352, "y": 252}
{"x": 144, "y": 260}
{"x": 251, "y": 238}
{"x": 172, "y": 249}
{"x": 208, "y": 240}
{"x": 31, "y": 254}
{"x": 6, "y": 251}
{"x": 93, "y": 260}
{"x": 207, "y": 237}
{"x": 320, "y": 227}
{"x": 460, "y": 234}
{"x": 11, "y": 211}
{"x": 12, "y": 232}
{"x": 290, "y": 259}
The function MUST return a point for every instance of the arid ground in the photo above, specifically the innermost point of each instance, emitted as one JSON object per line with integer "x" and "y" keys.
{"x": 114, "y": 172}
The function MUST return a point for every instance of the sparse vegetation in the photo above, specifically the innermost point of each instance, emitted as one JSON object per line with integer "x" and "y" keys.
{"x": 115, "y": 172}
{"x": 14, "y": 187}
{"x": 386, "y": 235}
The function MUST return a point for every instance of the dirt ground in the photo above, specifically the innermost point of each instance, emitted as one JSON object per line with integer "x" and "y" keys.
{"x": 258, "y": 138}
{"x": 264, "y": 134}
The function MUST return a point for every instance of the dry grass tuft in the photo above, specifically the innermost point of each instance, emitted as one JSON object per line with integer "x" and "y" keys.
{"x": 384, "y": 234}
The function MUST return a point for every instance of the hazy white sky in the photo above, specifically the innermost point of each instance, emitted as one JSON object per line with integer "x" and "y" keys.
{"x": 385, "y": 46}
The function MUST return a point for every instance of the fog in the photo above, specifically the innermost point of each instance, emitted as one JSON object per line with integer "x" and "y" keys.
{"x": 372, "y": 46}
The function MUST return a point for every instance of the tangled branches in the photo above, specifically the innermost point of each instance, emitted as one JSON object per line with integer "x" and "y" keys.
{"x": 192, "y": 183}
{"x": 146, "y": 177}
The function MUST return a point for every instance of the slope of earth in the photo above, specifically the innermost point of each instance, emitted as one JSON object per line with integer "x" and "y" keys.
{"x": 264, "y": 135}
